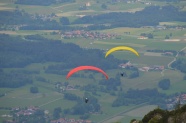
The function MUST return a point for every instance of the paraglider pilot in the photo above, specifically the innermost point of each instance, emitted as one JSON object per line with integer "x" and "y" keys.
{"x": 86, "y": 100}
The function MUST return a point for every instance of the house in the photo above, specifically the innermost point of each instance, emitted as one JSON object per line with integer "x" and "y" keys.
{"x": 128, "y": 64}
{"x": 142, "y": 37}
{"x": 70, "y": 87}
{"x": 87, "y": 4}
{"x": 144, "y": 69}
{"x": 168, "y": 54}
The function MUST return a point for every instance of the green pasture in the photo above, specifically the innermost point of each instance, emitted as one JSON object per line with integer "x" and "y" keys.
{"x": 122, "y": 30}
{"x": 173, "y": 23}
{"x": 141, "y": 111}
{"x": 137, "y": 113}
{"x": 4, "y": 112}
{"x": 127, "y": 119}
{"x": 6, "y": 1}
{"x": 150, "y": 60}
{"x": 125, "y": 6}
{"x": 176, "y": 33}
{"x": 151, "y": 79}
{"x": 64, "y": 104}
{"x": 176, "y": 87}
{"x": 33, "y": 9}
{"x": 109, "y": 111}
{"x": 22, "y": 97}
{"x": 5, "y": 90}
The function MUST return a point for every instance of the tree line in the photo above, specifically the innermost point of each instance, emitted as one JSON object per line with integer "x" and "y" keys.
{"x": 147, "y": 17}
{"x": 180, "y": 64}
{"x": 42, "y": 2}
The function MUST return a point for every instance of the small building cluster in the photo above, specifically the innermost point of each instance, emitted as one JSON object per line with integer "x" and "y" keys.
{"x": 29, "y": 111}
{"x": 43, "y": 17}
{"x": 65, "y": 120}
{"x": 146, "y": 68}
{"x": 175, "y": 100}
{"x": 152, "y": 68}
{"x": 62, "y": 88}
{"x": 86, "y": 34}
{"x": 128, "y": 64}
{"x": 142, "y": 37}
{"x": 168, "y": 54}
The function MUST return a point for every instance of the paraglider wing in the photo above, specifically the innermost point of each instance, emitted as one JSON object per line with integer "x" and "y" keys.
{"x": 85, "y": 68}
{"x": 121, "y": 48}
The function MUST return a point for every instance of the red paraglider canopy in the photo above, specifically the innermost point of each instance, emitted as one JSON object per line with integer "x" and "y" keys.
{"x": 86, "y": 68}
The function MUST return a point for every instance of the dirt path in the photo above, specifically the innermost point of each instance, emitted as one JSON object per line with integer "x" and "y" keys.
{"x": 50, "y": 102}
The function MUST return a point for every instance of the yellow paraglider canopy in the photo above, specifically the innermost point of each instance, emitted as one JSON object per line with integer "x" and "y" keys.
{"x": 121, "y": 48}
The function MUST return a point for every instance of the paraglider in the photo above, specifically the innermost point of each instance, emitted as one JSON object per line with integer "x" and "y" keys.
{"x": 121, "y": 48}
{"x": 85, "y": 68}
{"x": 86, "y": 100}
{"x": 123, "y": 74}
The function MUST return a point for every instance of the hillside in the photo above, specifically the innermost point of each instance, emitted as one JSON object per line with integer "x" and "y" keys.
{"x": 178, "y": 115}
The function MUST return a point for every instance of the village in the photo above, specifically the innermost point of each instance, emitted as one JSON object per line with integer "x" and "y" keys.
{"x": 87, "y": 34}
{"x": 65, "y": 120}
{"x": 172, "y": 102}
{"x": 146, "y": 68}
{"x": 32, "y": 109}
{"x": 61, "y": 88}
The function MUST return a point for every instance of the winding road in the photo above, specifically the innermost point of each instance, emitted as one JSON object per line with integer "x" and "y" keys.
{"x": 168, "y": 65}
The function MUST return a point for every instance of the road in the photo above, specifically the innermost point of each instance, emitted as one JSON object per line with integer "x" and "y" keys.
{"x": 169, "y": 64}
{"x": 175, "y": 58}
{"x": 50, "y": 102}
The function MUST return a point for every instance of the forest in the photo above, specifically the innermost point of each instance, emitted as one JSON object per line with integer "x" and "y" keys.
{"x": 180, "y": 64}
{"x": 42, "y": 2}
{"x": 147, "y": 17}
{"x": 17, "y": 52}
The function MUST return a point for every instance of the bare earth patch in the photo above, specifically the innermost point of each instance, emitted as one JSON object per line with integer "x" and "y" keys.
{"x": 172, "y": 40}
{"x": 5, "y": 8}
{"x": 8, "y": 32}
{"x": 152, "y": 54}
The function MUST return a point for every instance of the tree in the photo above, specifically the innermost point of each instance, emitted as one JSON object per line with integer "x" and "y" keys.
{"x": 134, "y": 74}
{"x": 66, "y": 84}
{"x": 64, "y": 21}
{"x": 166, "y": 37}
{"x": 164, "y": 84}
{"x": 85, "y": 116}
{"x": 56, "y": 113}
{"x": 34, "y": 89}
{"x": 184, "y": 78}
{"x": 150, "y": 36}
{"x": 104, "y": 6}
